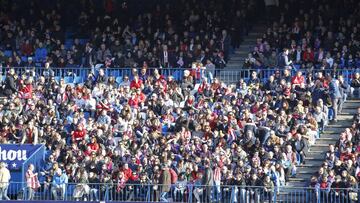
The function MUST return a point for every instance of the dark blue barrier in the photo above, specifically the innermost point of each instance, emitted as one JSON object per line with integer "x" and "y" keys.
{"x": 187, "y": 192}
{"x": 77, "y": 75}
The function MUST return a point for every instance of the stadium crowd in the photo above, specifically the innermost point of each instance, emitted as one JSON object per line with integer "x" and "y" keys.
{"x": 341, "y": 167}
{"x": 152, "y": 129}
{"x": 319, "y": 35}
{"x": 124, "y": 34}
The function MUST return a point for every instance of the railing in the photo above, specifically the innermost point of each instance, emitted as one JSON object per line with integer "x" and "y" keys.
{"x": 79, "y": 75}
{"x": 179, "y": 193}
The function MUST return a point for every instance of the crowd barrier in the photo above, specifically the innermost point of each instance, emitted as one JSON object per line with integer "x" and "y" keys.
{"x": 79, "y": 75}
{"x": 180, "y": 193}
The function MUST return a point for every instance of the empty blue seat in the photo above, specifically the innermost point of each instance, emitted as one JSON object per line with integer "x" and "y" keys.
{"x": 118, "y": 80}
{"x": 83, "y": 41}
{"x": 68, "y": 79}
{"x": 78, "y": 80}
{"x": 24, "y": 59}
{"x": 57, "y": 79}
{"x": 8, "y": 53}
{"x": 177, "y": 75}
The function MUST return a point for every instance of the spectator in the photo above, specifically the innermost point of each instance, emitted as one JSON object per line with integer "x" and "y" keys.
{"x": 10, "y": 86}
{"x": 355, "y": 85}
{"x": 165, "y": 183}
{"x": 335, "y": 95}
{"x": 32, "y": 182}
{"x": 59, "y": 184}
{"x": 4, "y": 181}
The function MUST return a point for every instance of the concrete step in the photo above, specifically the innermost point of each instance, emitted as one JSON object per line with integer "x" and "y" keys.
{"x": 347, "y": 111}
{"x": 326, "y": 141}
{"x": 320, "y": 147}
{"x": 352, "y": 104}
{"x": 238, "y": 52}
{"x": 316, "y": 155}
{"x": 303, "y": 177}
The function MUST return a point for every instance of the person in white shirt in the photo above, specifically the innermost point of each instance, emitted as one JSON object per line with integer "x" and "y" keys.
{"x": 4, "y": 181}
{"x": 329, "y": 59}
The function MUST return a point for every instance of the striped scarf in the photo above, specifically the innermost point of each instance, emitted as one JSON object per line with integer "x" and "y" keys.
{"x": 32, "y": 180}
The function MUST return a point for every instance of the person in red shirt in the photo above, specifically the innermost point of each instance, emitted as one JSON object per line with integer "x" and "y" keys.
{"x": 347, "y": 155}
{"x": 134, "y": 100}
{"x": 136, "y": 83}
{"x": 26, "y": 90}
{"x": 141, "y": 96}
{"x": 298, "y": 79}
{"x": 127, "y": 172}
{"x": 308, "y": 55}
{"x": 94, "y": 146}
{"x": 78, "y": 134}
{"x": 26, "y": 48}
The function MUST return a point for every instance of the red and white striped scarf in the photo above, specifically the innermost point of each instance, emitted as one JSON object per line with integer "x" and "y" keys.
{"x": 32, "y": 180}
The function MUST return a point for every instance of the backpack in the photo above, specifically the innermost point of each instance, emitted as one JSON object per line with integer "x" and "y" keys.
{"x": 174, "y": 176}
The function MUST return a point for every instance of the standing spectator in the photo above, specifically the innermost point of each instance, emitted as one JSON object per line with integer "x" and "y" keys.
{"x": 355, "y": 85}
{"x": 10, "y": 85}
{"x": 344, "y": 91}
{"x": 165, "y": 181}
{"x": 208, "y": 180}
{"x": 59, "y": 184}
{"x": 4, "y": 181}
{"x": 268, "y": 188}
{"x": 284, "y": 59}
{"x": 198, "y": 187}
{"x": 32, "y": 182}
{"x": 48, "y": 73}
{"x": 335, "y": 95}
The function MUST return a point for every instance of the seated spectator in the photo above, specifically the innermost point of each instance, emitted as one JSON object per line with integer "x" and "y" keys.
{"x": 59, "y": 184}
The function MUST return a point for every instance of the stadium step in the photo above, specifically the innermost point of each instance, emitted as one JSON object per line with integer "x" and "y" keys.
{"x": 316, "y": 154}
{"x": 238, "y": 57}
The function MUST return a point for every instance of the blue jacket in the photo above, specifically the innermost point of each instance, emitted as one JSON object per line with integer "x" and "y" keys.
{"x": 59, "y": 180}
{"x": 334, "y": 90}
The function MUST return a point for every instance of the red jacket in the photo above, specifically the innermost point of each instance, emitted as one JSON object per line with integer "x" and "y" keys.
{"x": 135, "y": 85}
{"x": 94, "y": 146}
{"x": 141, "y": 97}
{"x": 346, "y": 156}
{"x": 127, "y": 174}
{"x": 297, "y": 80}
{"x": 78, "y": 134}
{"x": 134, "y": 102}
{"x": 308, "y": 57}
{"x": 26, "y": 91}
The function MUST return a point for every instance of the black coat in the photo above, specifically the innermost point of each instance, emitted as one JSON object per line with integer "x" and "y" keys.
{"x": 10, "y": 87}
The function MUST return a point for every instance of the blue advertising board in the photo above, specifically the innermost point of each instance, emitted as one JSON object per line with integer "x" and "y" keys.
{"x": 19, "y": 157}
{"x": 16, "y": 155}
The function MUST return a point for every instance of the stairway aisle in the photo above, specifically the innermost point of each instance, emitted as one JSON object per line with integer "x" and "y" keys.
{"x": 316, "y": 155}
{"x": 238, "y": 57}
{"x": 293, "y": 191}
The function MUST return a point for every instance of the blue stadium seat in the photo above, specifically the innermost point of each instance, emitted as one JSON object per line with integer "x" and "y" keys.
{"x": 8, "y": 53}
{"x": 24, "y": 59}
{"x": 57, "y": 79}
{"x": 177, "y": 75}
{"x": 115, "y": 73}
{"x": 118, "y": 80}
{"x": 78, "y": 80}
{"x": 69, "y": 79}
{"x": 83, "y": 41}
